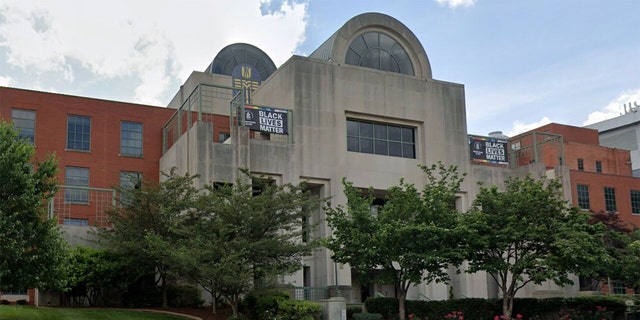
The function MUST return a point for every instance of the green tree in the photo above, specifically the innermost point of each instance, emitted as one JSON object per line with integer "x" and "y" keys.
{"x": 631, "y": 262}
{"x": 620, "y": 239}
{"x": 411, "y": 239}
{"x": 147, "y": 227}
{"x": 32, "y": 250}
{"x": 249, "y": 232}
{"x": 529, "y": 234}
{"x": 91, "y": 272}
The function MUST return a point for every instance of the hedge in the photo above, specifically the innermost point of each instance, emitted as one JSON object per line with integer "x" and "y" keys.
{"x": 483, "y": 309}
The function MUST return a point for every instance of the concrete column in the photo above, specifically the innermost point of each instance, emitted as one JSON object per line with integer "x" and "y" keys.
{"x": 334, "y": 309}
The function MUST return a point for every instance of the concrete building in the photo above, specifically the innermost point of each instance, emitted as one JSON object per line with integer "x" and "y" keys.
{"x": 363, "y": 106}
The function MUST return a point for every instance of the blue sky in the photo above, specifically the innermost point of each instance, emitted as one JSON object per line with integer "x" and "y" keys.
{"x": 523, "y": 63}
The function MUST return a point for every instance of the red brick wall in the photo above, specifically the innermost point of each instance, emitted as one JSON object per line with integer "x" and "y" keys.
{"x": 597, "y": 182}
{"x": 103, "y": 159}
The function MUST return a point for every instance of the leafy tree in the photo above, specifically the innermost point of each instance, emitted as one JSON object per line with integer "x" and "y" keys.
{"x": 529, "y": 234}
{"x": 249, "y": 232}
{"x": 618, "y": 238}
{"x": 147, "y": 228}
{"x": 32, "y": 250}
{"x": 631, "y": 262}
{"x": 411, "y": 239}
{"x": 91, "y": 272}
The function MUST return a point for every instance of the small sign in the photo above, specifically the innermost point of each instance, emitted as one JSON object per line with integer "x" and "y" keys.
{"x": 265, "y": 119}
{"x": 488, "y": 150}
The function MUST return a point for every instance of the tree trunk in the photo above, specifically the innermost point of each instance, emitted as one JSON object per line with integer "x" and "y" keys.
{"x": 233, "y": 302}
{"x": 507, "y": 305}
{"x": 402, "y": 296}
{"x": 163, "y": 288}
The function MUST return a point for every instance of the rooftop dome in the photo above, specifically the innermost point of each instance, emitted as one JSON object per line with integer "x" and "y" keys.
{"x": 238, "y": 54}
{"x": 378, "y": 41}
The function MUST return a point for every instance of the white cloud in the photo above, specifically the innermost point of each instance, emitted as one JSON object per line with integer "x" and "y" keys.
{"x": 615, "y": 107}
{"x": 155, "y": 43}
{"x": 6, "y": 81}
{"x": 456, "y": 3}
{"x": 520, "y": 127}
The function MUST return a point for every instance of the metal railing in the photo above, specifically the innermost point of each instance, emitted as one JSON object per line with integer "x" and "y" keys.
{"x": 322, "y": 293}
{"x": 198, "y": 106}
{"x": 73, "y": 205}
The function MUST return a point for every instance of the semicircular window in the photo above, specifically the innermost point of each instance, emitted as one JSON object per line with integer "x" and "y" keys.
{"x": 379, "y": 51}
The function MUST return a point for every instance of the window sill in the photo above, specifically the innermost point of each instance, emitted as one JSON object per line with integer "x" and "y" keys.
{"x": 77, "y": 150}
{"x": 77, "y": 203}
{"x": 131, "y": 156}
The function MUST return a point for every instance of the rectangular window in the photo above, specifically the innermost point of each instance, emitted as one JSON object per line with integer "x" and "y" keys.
{"x": 78, "y": 133}
{"x": 599, "y": 166}
{"x": 76, "y": 182}
{"x": 580, "y": 165}
{"x": 618, "y": 287}
{"x": 24, "y": 121}
{"x": 583, "y": 196}
{"x": 381, "y": 138}
{"x": 129, "y": 180}
{"x": 15, "y": 293}
{"x": 223, "y": 136}
{"x": 610, "y": 199}
{"x": 635, "y": 201}
{"x": 75, "y": 222}
{"x": 131, "y": 139}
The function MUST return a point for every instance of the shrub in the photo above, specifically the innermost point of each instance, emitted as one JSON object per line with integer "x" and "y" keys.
{"x": 263, "y": 304}
{"x": 184, "y": 295}
{"x": 21, "y": 302}
{"x": 367, "y": 316}
{"x": 351, "y": 310}
{"x": 5, "y": 302}
{"x": 387, "y": 307}
{"x": 142, "y": 297}
{"x": 299, "y": 310}
{"x": 475, "y": 308}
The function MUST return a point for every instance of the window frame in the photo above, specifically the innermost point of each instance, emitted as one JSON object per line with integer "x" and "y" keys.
{"x": 22, "y": 120}
{"x": 380, "y": 51}
{"x": 580, "y": 164}
{"x": 610, "y": 204}
{"x": 129, "y": 179}
{"x": 127, "y": 144}
{"x": 634, "y": 196}
{"x": 599, "y": 166}
{"x": 73, "y": 195}
{"x": 583, "y": 200}
{"x": 79, "y": 222}
{"x": 381, "y": 138}
{"x": 76, "y": 144}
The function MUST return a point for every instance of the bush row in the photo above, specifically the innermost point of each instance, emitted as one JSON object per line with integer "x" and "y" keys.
{"x": 276, "y": 304}
{"x": 472, "y": 308}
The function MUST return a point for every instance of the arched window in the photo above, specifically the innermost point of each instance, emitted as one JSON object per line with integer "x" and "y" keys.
{"x": 379, "y": 51}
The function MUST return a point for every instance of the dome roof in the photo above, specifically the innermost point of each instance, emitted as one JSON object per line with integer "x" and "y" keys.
{"x": 237, "y": 54}
{"x": 376, "y": 40}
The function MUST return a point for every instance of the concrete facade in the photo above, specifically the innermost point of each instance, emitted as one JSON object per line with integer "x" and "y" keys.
{"x": 622, "y": 132}
{"x": 322, "y": 93}
{"x": 202, "y": 132}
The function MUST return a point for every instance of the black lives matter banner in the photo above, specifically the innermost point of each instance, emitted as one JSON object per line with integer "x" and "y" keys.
{"x": 488, "y": 150}
{"x": 265, "y": 119}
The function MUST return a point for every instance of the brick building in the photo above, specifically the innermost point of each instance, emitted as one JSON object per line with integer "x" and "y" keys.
{"x": 99, "y": 143}
{"x": 601, "y": 177}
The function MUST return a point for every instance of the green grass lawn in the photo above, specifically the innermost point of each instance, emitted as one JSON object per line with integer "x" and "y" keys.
{"x": 31, "y": 313}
